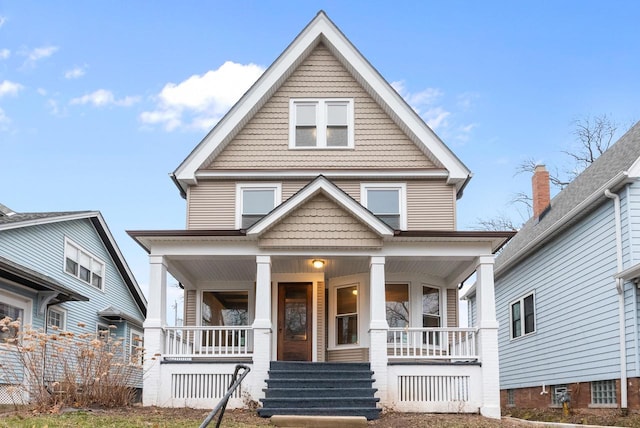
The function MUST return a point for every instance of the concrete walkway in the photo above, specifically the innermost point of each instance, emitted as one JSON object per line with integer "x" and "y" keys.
{"x": 291, "y": 421}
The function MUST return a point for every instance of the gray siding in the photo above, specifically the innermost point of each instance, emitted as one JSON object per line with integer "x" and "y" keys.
{"x": 576, "y": 302}
{"x": 634, "y": 222}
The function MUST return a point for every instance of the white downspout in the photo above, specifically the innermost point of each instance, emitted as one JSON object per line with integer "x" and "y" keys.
{"x": 620, "y": 290}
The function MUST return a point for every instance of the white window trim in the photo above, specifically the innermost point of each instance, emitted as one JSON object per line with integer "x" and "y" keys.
{"x": 401, "y": 187}
{"x": 63, "y": 314}
{"x": 21, "y": 302}
{"x": 132, "y": 332}
{"x": 241, "y": 187}
{"x": 68, "y": 241}
{"x": 321, "y": 123}
{"x": 442, "y": 305}
{"x": 102, "y": 326}
{"x": 522, "y": 327}
{"x": 333, "y": 315}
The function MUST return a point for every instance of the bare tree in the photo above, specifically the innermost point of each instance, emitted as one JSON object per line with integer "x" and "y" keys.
{"x": 594, "y": 135}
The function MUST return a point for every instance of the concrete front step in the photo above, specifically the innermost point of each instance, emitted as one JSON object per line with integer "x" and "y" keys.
{"x": 319, "y": 421}
{"x": 368, "y": 413}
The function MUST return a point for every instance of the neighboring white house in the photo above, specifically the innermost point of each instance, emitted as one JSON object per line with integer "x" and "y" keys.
{"x": 321, "y": 227}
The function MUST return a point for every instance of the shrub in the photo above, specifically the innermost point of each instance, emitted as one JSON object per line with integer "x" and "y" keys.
{"x": 60, "y": 368}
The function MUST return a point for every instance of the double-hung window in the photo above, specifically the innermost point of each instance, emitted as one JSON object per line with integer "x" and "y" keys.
{"x": 523, "y": 316}
{"x": 254, "y": 201}
{"x": 387, "y": 201}
{"x": 136, "y": 340}
{"x": 83, "y": 265}
{"x": 347, "y": 315}
{"x": 56, "y": 317}
{"x": 321, "y": 123}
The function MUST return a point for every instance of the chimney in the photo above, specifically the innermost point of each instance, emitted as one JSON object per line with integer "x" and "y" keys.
{"x": 541, "y": 193}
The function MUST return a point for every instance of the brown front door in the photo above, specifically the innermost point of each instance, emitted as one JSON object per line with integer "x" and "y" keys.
{"x": 294, "y": 321}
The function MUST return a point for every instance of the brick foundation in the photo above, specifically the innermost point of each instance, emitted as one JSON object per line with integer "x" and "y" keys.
{"x": 580, "y": 392}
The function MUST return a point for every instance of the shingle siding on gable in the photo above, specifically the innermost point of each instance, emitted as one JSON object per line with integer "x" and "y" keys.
{"x": 264, "y": 142}
{"x": 320, "y": 223}
{"x": 576, "y": 303}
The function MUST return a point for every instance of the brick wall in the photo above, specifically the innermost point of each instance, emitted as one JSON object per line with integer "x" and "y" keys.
{"x": 580, "y": 392}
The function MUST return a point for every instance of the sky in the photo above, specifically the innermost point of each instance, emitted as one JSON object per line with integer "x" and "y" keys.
{"x": 101, "y": 100}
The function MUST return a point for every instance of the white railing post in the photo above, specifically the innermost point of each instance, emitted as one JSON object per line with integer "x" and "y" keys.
{"x": 378, "y": 326}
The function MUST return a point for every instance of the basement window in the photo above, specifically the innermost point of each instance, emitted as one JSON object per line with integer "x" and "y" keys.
{"x": 603, "y": 393}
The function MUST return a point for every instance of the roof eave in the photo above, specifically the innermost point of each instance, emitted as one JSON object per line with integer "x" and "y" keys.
{"x": 580, "y": 210}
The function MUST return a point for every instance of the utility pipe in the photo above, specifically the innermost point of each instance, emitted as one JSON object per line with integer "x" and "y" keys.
{"x": 620, "y": 290}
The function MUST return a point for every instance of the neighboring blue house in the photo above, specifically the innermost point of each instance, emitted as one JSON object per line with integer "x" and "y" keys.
{"x": 63, "y": 269}
{"x": 566, "y": 287}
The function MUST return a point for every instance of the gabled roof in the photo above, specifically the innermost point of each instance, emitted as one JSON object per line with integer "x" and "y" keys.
{"x": 20, "y": 220}
{"x": 326, "y": 187}
{"x": 321, "y": 30}
{"x": 615, "y": 167}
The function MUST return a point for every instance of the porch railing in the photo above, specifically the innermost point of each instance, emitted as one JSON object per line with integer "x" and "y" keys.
{"x": 446, "y": 343}
{"x": 209, "y": 341}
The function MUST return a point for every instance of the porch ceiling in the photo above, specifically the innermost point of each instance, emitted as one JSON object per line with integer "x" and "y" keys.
{"x": 226, "y": 268}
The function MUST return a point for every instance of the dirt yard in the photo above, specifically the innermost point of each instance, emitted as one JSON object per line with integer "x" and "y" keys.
{"x": 154, "y": 417}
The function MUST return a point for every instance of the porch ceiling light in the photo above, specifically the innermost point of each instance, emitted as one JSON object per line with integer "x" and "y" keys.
{"x": 318, "y": 264}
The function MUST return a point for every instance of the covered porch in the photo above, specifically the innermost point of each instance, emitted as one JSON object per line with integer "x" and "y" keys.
{"x": 394, "y": 306}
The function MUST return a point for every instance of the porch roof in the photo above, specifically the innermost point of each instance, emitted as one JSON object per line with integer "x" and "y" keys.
{"x": 443, "y": 257}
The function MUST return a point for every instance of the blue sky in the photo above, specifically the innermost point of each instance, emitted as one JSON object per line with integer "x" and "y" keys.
{"x": 99, "y": 100}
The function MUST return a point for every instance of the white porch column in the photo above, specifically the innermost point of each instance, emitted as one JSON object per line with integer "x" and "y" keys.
{"x": 488, "y": 337}
{"x": 261, "y": 328}
{"x": 378, "y": 326}
{"x": 153, "y": 334}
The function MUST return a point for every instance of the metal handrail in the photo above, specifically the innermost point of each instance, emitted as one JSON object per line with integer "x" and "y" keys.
{"x": 222, "y": 405}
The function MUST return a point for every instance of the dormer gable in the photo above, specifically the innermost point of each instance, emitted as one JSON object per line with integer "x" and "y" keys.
{"x": 321, "y": 32}
{"x": 324, "y": 193}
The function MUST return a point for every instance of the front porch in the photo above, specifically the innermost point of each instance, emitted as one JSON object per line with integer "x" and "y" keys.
{"x": 423, "y": 362}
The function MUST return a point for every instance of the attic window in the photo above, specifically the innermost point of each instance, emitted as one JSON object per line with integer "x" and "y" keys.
{"x": 83, "y": 265}
{"x": 321, "y": 124}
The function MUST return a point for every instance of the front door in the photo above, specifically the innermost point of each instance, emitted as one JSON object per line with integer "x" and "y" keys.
{"x": 294, "y": 321}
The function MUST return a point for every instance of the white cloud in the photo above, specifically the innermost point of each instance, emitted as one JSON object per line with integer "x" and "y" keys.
{"x": 43, "y": 52}
{"x": 104, "y": 97}
{"x": 74, "y": 73}
{"x": 5, "y": 53}
{"x": 2, "y": 20}
{"x": 201, "y": 100}
{"x": 425, "y": 104}
{"x": 9, "y": 88}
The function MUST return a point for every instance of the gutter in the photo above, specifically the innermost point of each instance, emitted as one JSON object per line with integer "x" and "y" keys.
{"x": 620, "y": 289}
{"x": 183, "y": 193}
